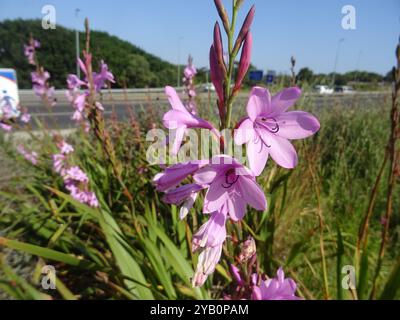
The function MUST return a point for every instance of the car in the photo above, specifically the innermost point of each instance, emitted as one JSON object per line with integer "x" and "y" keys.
{"x": 206, "y": 87}
{"x": 344, "y": 89}
{"x": 323, "y": 89}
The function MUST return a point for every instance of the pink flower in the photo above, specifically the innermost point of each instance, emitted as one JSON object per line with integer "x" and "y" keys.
{"x": 100, "y": 78}
{"x": 207, "y": 261}
{"x": 190, "y": 71}
{"x": 59, "y": 163}
{"x": 174, "y": 175}
{"x": 185, "y": 195}
{"x": 212, "y": 233}
{"x": 75, "y": 173}
{"x": 180, "y": 118}
{"x": 268, "y": 127}
{"x": 30, "y": 50}
{"x": 26, "y": 117}
{"x": 277, "y": 288}
{"x": 5, "y": 127}
{"x": 30, "y": 156}
{"x": 40, "y": 86}
{"x": 231, "y": 187}
{"x": 74, "y": 83}
{"x": 65, "y": 148}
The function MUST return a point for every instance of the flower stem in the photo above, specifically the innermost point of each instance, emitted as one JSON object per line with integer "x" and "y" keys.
{"x": 229, "y": 75}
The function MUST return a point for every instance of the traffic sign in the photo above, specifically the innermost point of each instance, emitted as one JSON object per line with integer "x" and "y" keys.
{"x": 256, "y": 75}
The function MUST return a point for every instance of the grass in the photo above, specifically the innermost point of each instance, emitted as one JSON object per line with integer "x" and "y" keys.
{"x": 137, "y": 248}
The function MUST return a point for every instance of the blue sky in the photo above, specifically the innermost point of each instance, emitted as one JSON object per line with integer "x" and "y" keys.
{"x": 308, "y": 29}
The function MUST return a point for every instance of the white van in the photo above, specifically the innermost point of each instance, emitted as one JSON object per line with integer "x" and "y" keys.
{"x": 322, "y": 89}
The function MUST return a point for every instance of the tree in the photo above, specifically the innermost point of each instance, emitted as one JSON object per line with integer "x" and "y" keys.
{"x": 305, "y": 75}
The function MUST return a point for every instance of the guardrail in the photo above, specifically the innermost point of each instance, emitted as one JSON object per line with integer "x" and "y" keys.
{"x": 128, "y": 90}
{"x": 180, "y": 89}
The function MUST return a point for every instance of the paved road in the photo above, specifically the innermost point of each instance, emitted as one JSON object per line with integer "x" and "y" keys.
{"x": 59, "y": 117}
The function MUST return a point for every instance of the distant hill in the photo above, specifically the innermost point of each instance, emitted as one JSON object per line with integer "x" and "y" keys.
{"x": 57, "y": 54}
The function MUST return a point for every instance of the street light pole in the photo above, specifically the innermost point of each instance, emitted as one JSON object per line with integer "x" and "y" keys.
{"x": 336, "y": 60}
{"x": 78, "y": 70}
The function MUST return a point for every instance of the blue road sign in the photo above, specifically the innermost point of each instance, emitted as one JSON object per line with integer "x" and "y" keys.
{"x": 270, "y": 76}
{"x": 256, "y": 75}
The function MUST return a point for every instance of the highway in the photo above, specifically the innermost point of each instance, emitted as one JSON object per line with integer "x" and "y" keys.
{"x": 138, "y": 101}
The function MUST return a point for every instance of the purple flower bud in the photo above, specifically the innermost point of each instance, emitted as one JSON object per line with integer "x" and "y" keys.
{"x": 236, "y": 274}
{"x": 245, "y": 29}
{"x": 222, "y": 14}
{"x": 216, "y": 76}
{"x": 244, "y": 63}
{"x": 219, "y": 48}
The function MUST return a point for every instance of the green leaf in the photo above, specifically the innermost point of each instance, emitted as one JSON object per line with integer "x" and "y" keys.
{"x": 177, "y": 260}
{"x": 47, "y": 253}
{"x": 362, "y": 282}
{"x": 339, "y": 263}
{"x": 125, "y": 260}
{"x": 392, "y": 284}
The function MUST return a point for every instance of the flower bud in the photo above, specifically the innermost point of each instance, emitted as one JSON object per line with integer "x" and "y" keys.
{"x": 244, "y": 63}
{"x": 222, "y": 14}
{"x": 248, "y": 250}
{"x": 207, "y": 261}
{"x": 245, "y": 29}
{"x": 219, "y": 48}
{"x": 216, "y": 76}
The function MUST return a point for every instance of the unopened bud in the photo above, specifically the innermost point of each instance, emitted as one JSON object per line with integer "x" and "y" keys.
{"x": 245, "y": 29}
{"x": 219, "y": 48}
{"x": 248, "y": 250}
{"x": 222, "y": 14}
{"x": 244, "y": 63}
{"x": 217, "y": 77}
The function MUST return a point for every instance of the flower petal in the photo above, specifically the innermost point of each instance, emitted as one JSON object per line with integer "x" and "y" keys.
{"x": 179, "y": 135}
{"x": 174, "y": 99}
{"x": 281, "y": 150}
{"x": 297, "y": 125}
{"x": 252, "y": 193}
{"x": 216, "y": 195}
{"x": 187, "y": 205}
{"x": 244, "y": 132}
{"x": 205, "y": 175}
{"x": 257, "y": 155}
{"x": 284, "y": 100}
{"x": 259, "y": 103}
{"x": 236, "y": 208}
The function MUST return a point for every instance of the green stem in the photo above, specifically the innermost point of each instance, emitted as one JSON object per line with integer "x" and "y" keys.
{"x": 232, "y": 56}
